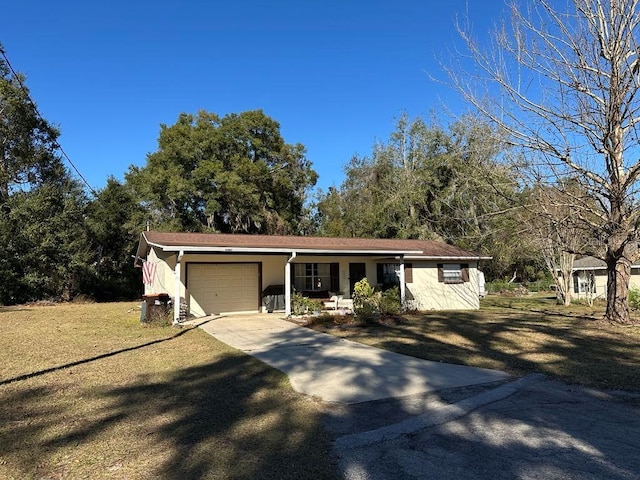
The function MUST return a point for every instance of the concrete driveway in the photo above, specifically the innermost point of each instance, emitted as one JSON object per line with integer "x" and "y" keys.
{"x": 338, "y": 370}
{"x": 426, "y": 420}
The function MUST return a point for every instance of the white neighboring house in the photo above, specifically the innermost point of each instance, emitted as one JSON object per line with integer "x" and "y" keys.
{"x": 482, "y": 292}
{"x": 225, "y": 273}
{"x": 589, "y": 279}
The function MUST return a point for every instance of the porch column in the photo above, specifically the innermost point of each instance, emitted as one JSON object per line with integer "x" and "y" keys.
{"x": 176, "y": 289}
{"x": 402, "y": 286}
{"x": 287, "y": 285}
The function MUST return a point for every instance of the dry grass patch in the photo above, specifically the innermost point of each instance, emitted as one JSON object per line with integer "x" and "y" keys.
{"x": 517, "y": 335}
{"x": 88, "y": 392}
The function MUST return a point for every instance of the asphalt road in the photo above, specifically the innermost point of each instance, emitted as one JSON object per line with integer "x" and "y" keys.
{"x": 534, "y": 428}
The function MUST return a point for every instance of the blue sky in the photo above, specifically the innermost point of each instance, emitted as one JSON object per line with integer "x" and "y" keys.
{"x": 334, "y": 74}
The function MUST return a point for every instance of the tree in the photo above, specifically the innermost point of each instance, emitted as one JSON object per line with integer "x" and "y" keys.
{"x": 430, "y": 182}
{"x": 230, "y": 174}
{"x": 563, "y": 86}
{"x": 43, "y": 242}
{"x": 556, "y": 232}
{"x": 115, "y": 220}
{"x": 27, "y": 141}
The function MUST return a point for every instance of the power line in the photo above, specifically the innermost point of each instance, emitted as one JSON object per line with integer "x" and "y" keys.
{"x": 56, "y": 144}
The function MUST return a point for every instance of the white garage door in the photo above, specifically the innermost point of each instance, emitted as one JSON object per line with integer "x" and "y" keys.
{"x": 223, "y": 288}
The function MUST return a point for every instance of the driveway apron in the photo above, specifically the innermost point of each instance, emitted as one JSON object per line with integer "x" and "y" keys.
{"x": 338, "y": 370}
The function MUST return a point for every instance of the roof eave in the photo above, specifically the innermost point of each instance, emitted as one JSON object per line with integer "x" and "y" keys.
{"x": 142, "y": 251}
{"x": 447, "y": 257}
{"x": 283, "y": 250}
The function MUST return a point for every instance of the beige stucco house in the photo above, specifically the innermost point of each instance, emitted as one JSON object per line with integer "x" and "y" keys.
{"x": 589, "y": 279}
{"x": 226, "y": 273}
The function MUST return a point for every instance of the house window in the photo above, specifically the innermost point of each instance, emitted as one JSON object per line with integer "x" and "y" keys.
{"x": 584, "y": 283}
{"x": 453, "y": 272}
{"x": 312, "y": 277}
{"x": 388, "y": 275}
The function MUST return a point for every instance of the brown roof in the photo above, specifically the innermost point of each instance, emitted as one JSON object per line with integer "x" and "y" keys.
{"x": 586, "y": 263}
{"x": 279, "y": 242}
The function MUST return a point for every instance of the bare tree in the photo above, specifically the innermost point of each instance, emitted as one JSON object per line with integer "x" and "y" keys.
{"x": 564, "y": 87}
{"x": 557, "y": 233}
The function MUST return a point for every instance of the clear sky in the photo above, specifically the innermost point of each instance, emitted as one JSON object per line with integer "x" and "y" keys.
{"x": 334, "y": 73}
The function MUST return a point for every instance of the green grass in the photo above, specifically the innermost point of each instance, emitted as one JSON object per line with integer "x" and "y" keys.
{"x": 86, "y": 391}
{"x": 517, "y": 335}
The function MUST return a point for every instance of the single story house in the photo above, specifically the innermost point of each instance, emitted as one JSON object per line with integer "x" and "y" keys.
{"x": 214, "y": 273}
{"x": 589, "y": 278}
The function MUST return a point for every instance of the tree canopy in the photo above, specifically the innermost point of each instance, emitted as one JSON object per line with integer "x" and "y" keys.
{"x": 230, "y": 174}
{"x": 43, "y": 246}
{"x": 430, "y": 182}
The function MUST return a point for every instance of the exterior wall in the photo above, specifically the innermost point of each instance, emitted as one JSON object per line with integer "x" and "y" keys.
{"x": 600, "y": 277}
{"x": 430, "y": 294}
{"x": 600, "y": 281}
{"x": 370, "y": 266}
{"x": 164, "y": 278}
{"x": 635, "y": 279}
{"x": 272, "y": 267}
{"x": 425, "y": 291}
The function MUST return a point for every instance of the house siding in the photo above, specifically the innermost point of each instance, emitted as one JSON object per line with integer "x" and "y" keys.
{"x": 600, "y": 277}
{"x": 428, "y": 293}
{"x": 164, "y": 279}
{"x": 423, "y": 290}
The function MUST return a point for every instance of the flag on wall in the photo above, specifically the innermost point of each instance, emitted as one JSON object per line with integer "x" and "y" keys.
{"x": 148, "y": 272}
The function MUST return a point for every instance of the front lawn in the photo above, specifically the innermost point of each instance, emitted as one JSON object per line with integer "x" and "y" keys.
{"x": 517, "y": 335}
{"x": 88, "y": 392}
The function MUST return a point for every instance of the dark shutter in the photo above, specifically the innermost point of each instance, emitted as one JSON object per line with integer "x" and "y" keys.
{"x": 408, "y": 273}
{"x": 440, "y": 273}
{"x": 465, "y": 272}
{"x": 380, "y": 273}
{"x": 335, "y": 277}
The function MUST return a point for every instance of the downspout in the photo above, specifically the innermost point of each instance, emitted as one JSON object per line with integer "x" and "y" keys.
{"x": 287, "y": 285}
{"x": 176, "y": 286}
{"x": 402, "y": 279}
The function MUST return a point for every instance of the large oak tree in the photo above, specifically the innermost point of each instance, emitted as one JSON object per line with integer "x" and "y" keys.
{"x": 228, "y": 174}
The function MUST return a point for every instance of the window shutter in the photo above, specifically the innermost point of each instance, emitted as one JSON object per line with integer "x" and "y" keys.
{"x": 408, "y": 273}
{"x": 379, "y": 273}
{"x": 465, "y": 271}
{"x": 440, "y": 273}
{"x": 335, "y": 277}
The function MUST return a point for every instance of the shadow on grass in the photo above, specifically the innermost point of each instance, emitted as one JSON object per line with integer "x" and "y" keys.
{"x": 568, "y": 348}
{"x": 13, "y": 308}
{"x": 230, "y": 418}
{"x": 89, "y": 359}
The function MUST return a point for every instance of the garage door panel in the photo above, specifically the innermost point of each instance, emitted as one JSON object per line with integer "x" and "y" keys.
{"x": 221, "y": 288}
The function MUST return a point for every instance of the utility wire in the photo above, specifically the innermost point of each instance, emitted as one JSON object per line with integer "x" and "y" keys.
{"x": 56, "y": 144}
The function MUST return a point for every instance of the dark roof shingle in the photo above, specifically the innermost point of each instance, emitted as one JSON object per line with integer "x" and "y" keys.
{"x": 221, "y": 240}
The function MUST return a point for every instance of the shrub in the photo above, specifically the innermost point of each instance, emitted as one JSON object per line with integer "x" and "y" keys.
{"x": 159, "y": 318}
{"x": 634, "y": 299}
{"x": 390, "y": 302}
{"x": 301, "y": 305}
{"x": 365, "y": 300}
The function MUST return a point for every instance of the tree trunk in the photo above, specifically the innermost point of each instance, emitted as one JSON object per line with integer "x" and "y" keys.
{"x": 618, "y": 276}
{"x": 566, "y": 270}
